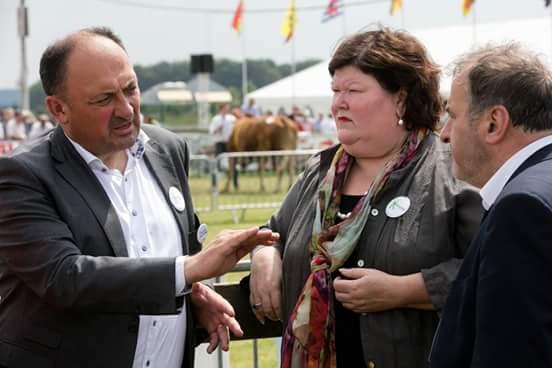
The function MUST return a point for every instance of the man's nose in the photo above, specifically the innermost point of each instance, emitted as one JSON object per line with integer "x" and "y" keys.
{"x": 124, "y": 108}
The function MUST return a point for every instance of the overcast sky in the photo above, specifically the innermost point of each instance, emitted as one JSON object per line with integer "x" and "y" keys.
{"x": 171, "y": 32}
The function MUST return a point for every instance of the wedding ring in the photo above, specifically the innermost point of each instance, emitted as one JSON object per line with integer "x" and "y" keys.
{"x": 255, "y": 306}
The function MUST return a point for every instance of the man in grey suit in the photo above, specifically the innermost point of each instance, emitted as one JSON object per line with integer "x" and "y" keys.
{"x": 99, "y": 256}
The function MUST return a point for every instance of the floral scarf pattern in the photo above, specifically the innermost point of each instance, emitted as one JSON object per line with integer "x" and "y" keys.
{"x": 309, "y": 337}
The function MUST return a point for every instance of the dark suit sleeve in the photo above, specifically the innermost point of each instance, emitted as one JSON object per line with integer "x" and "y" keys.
{"x": 514, "y": 298}
{"x": 37, "y": 248}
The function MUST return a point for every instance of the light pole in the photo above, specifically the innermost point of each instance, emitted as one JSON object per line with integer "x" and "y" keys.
{"x": 23, "y": 31}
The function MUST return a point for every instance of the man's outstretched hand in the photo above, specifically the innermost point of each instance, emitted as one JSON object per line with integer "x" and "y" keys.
{"x": 220, "y": 256}
{"x": 216, "y": 315}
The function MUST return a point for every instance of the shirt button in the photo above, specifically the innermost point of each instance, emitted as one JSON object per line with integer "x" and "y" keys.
{"x": 147, "y": 363}
{"x": 154, "y": 323}
{"x": 374, "y": 212}
{"x": 104, "y": 169}
{"x": 144, "y": 248}
{"x": 360, "y": 263}
{"x": 371, "y": 364}
{"x": 134, "y": 213}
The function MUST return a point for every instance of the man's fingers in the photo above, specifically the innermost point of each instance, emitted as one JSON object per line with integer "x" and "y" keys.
{"x": 223, "y": 337}
{"x": 234, "y": 326}
{"x": 254, "y": 236}
{"x": 213, "y": 342}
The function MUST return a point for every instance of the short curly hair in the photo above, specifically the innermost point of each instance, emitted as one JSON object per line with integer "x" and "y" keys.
{"x": 398, "y": 61}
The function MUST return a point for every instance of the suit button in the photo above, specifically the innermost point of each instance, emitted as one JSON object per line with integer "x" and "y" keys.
{"x": 360, "y": 263}
{"x": 371, "y": 364}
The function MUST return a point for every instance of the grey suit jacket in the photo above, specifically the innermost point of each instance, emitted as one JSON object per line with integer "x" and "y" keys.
{"x": 70, "y": 296}
{"x": 431, "y": 238}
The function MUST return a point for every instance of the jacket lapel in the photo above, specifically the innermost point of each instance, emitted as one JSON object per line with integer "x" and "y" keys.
{"x": 161, "y": 166}
{"x": 78, "y": 174}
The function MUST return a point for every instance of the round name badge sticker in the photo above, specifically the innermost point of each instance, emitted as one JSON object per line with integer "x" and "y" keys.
{"x": 177, "y": 200}
{"x": 202, "y": 231}
{"x": 397, "y": 207}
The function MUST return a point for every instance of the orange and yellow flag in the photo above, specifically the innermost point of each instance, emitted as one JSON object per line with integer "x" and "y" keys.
{"x": 466, "y": 7}
{"x": 237, "y": 18}
{"x": 288, "y": 24}
{"x": 396, "y": 5}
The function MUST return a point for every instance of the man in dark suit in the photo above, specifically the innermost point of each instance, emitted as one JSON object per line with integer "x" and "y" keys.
{"x": 498, "y": 312}
{"x": 99, "y": 255}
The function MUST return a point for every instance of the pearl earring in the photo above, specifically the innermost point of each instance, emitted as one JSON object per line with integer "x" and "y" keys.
{"x": 400, "y": 122}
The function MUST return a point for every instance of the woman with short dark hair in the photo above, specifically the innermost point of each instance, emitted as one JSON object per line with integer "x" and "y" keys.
{"x": 374, "y": 230}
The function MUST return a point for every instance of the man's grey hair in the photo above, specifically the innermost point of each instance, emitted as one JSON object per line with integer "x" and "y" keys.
{"x": 512, "y": 76}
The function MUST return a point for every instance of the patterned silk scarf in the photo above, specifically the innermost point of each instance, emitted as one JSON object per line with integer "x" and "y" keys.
{"x": 309, "y": 338}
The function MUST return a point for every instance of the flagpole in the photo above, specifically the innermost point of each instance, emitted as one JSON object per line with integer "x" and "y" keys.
{"x": 474, "y": 24}
{"x": 293, "y": 69}
{"x": 244, "y": 65}
{"x": 402, "y": 17}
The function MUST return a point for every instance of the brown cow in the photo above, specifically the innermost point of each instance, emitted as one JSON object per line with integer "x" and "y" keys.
{"x": 263, "y": 133}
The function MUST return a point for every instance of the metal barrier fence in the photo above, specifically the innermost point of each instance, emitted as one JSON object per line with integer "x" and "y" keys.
{"x": 213, "y": 189}
{"x": 234, "y": 293}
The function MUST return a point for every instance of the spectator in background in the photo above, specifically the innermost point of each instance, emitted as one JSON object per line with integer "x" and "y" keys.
{"x": 221, "y": 128}
{"x": 317, "y": 123}
{"x": 16, "y": 129}
{"x": 327, "y": 127}
{"x": 41, "y": 126}
{"x": 2, "y": 125}
{"x": 6, "y": 116}
{"x": 250, "y": 109}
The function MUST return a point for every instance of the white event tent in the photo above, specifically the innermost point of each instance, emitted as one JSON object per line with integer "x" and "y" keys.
{"x": 311, "y": 86}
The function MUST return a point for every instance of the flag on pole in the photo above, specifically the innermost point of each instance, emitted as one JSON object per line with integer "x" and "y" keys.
{"x": 396, "y": 5}
{"x": 288, "y": 25}
{"x": 547, "y": 3}
{"x": 466, "y": 7}
{"x": 332, "y": 10}
{"x": 237, "y": 18}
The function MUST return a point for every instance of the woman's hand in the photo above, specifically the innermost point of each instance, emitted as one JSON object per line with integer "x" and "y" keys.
{"x": 366, "y": 290}
{"x": 369, "y": 290}
{"x": 265, "y": 284}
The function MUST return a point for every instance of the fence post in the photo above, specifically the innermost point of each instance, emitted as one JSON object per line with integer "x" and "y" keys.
{"x": 213, "y": 168}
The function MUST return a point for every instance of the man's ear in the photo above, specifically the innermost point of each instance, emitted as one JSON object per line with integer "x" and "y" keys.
{"x": 57, "y": 108}
{"x": 496, "y": 124}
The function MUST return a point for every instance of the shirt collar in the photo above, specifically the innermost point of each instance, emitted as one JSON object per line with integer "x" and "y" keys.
{"x": 136, "y": 150}
{"x": 496, "y": 183}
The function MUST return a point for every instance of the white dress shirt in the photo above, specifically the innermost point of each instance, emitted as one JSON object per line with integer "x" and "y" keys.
{"x": 221, "y": 127}
{"x": 496, "y": 183}
{"x": 150, "y": 230}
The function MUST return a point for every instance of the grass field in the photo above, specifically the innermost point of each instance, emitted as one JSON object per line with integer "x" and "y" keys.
{"x": 241, "y": 352}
